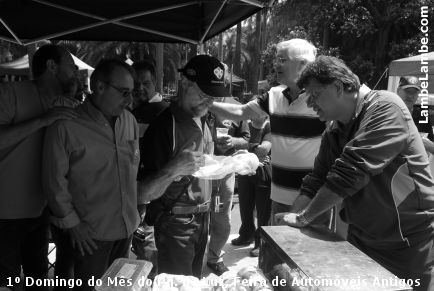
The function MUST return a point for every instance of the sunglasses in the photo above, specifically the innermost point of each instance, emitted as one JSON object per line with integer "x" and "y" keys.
{"x": 124, "y": 92}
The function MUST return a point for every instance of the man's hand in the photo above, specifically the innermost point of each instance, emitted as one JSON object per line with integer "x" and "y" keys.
{"x": 80, "y": 238}
{"x": 262, "y": 154}
{"x": 58, "y": 113}
{"x": 290, "y": 218}
{"x": 224, "y": 143}
{"x": 258, "y": 123}
{"x": 186, "y": 162}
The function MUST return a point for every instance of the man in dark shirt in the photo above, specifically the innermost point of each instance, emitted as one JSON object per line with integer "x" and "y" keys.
{"x": 373, "y": 161}
{"x": 180, "y": 210}
{"x": 146, "y": 106}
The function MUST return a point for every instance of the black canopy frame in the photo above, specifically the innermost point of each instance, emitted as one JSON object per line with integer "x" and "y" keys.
{"x": 168, "y": 21}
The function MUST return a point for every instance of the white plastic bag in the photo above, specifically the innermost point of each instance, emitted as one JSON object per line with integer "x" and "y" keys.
{"x": 217, "y": 167}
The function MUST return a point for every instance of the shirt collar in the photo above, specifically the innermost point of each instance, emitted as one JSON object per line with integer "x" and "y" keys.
{"x": 360, "y": 102}
{"x": 363, "y": 92}
{"x": 287, "y": 94}
{"x": 94, "y": 112}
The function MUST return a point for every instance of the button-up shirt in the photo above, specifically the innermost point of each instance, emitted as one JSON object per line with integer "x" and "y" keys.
{"x": 20, "y": 164}
{"x": 89, "y": 173}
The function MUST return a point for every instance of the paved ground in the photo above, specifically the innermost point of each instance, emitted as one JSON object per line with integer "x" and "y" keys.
{"x": 236, "y": 257}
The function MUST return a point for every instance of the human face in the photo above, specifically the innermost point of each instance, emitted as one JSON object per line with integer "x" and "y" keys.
{"x": 194, "y": 101}
{"x": 324, "y": 99}
{"x": 144, "y": 87}
{"x": 67, "y": 75}
{"x": 409, "y": 96}
{"x": 114, "y": 94}
{"x": 288, "y": 66}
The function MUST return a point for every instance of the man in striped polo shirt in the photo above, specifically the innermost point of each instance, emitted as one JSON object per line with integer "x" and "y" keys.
{"x": 295, "y": 128}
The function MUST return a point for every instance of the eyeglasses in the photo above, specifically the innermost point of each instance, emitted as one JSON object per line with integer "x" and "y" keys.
{"x": 279, "y": 60}
{"x": 124, "y": 92}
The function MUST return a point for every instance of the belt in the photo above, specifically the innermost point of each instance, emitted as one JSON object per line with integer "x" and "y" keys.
{"x": 200, "y": 208}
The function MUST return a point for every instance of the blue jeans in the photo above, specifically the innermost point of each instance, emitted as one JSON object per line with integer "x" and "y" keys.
{"x": 24, "y": 242}
{"x": 220, "y": 223}
{"x": 181, "y": 243}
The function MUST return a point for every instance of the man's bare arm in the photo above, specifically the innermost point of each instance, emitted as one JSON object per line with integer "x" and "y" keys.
{"x": 323, "y": 201}
{"x": 235, "y": 111}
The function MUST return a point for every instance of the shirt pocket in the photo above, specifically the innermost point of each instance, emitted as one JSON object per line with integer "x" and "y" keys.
{"x": 133, "y": 151}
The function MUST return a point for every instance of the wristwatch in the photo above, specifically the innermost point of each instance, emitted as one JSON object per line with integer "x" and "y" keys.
{"x": 302, "y": 218}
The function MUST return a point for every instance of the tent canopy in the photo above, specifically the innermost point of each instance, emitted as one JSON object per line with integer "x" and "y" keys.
{"x": 29, "y": 21}
{"x": 20, "y": 67}
{"x": 411, "y": 66}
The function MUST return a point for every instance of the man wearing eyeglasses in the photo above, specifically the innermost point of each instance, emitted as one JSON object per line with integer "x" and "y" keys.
{"x": 181, "y": 203}
{"x": 295, "y": 128}
{"x": 89, "y": 173}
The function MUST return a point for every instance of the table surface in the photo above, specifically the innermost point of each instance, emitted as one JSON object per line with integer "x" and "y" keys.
{"x": 316, "y": 253}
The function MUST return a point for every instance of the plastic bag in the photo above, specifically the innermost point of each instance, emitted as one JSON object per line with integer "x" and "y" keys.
{"x": 217, "y": 167}
{"x": 169, "y": 282}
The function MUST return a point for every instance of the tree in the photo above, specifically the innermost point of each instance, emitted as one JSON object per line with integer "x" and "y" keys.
{"x": 367, "y": 34}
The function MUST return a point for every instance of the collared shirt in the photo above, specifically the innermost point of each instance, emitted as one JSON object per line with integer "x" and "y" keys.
{"x": 163, "y": 142}
{"x": 378, "y": 164}
{"x": 90, "y": 170}
{"x": 295, "y": 135}
{"x": 21, "y": 193}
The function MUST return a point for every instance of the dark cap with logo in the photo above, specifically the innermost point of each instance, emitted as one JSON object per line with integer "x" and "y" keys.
{"x": 409, "y": 82}
{"x": 208, "y": 73}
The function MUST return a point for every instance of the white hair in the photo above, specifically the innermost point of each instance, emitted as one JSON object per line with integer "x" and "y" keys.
{"x": 300, "y": 48}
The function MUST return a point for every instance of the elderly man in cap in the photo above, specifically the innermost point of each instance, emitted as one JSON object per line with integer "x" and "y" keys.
{"x": 409, "y": 89}
{"x": 372, "y": 160}
{"x": 180, "y": 207}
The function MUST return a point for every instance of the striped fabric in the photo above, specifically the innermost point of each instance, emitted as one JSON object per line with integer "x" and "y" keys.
{"x": 296, "y": 136}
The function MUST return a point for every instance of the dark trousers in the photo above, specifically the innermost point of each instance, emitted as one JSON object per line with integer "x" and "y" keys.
{"x": 415, "y": 262}
{"x": 181, "y": 242}
{"x": 88, "y": 266}
{"x": 64, "y": 267}
{"x": 24, "y": 242}
{"x": 253, "y": 192}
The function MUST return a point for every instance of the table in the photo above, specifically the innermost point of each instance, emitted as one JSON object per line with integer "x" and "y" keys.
{"x": 318, "y": 260}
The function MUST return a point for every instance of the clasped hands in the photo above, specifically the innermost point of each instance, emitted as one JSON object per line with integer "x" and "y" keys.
{"x": 292, "y": 219}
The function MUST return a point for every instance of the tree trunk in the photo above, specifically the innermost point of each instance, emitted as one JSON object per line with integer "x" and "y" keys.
{"x": 192, "y": 51}
{"x": 159, "y": 69}
{"x": 220, "y": 48}
{"x": 31, "y": 49}
{"x": 326, "y": 37}
{"x": 383, "y": 38}
{"x": 256, "y": 57}
{"x": 237, "y": 58}
{"x": 263, "y": 42}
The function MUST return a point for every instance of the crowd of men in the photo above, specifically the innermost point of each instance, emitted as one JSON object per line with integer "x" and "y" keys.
{"x": 92, "y": 173}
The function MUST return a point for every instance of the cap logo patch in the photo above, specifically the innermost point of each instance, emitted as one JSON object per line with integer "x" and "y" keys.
{"x": 218, "y": 72}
